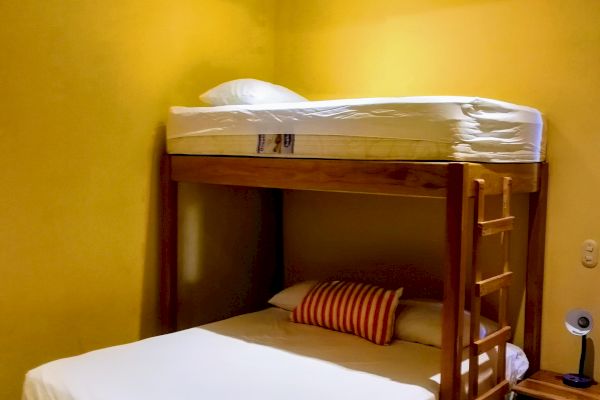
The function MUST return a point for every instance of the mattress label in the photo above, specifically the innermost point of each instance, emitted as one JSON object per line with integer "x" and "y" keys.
{"x": 275, "y": 143}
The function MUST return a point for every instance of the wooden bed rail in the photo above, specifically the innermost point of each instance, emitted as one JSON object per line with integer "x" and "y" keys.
{"x": 394, "y": 178}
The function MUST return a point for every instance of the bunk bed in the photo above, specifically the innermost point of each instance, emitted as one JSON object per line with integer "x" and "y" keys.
{"x": 464, "y": 186}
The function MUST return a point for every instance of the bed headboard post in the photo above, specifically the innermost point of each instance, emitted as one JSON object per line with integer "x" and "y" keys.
{"x": 458, "y": 236}
{"x": 168, "y": 246}
{"x": 534, "y": 279}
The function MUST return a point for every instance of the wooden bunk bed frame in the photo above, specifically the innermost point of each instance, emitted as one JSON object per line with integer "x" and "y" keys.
{"x": 464, "y": 187}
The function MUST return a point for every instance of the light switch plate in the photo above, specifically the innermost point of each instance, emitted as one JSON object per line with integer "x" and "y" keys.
{"x": 589, "y": 253}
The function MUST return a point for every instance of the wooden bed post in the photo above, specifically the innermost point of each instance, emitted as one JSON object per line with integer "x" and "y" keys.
{"x": 534, "y": 279}
{"x": 168, "y": 253}
{"x": 279, "y": 275}
{"x": 457, "y": 253}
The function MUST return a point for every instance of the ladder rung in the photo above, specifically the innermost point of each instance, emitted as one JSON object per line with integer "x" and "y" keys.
{"x": 490, "y": 285}
{"x": 494, "y": 226}
{"x": 495, "y": 339}
{"x": 497, "y": 392}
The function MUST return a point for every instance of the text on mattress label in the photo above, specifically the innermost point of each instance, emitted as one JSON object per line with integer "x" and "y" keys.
{"x": 275, "y": 144}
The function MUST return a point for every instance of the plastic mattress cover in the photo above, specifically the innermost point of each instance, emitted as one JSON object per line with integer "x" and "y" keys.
{"x": 448, "y": 128}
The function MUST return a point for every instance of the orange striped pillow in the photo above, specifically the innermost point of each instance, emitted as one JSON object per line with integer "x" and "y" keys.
{"x": 365, "y": 310}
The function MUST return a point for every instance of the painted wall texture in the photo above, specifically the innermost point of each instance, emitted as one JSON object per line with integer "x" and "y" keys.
{"x": 538, "y": 53}
{"x": 85, "y": 91}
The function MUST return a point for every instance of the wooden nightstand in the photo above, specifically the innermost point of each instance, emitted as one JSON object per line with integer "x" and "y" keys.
{"x": 548, "y": 385}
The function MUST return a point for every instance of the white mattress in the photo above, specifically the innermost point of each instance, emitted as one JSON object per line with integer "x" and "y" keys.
{"x": 403, "y": 128}
{"x": 253, "y": 356}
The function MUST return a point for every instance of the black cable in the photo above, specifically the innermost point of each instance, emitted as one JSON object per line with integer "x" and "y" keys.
{"x": 582, "y": 357}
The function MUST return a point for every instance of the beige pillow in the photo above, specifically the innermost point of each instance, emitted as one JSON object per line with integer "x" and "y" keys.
{"x": 420, "y": 321}
{"x": 290, "y": 297}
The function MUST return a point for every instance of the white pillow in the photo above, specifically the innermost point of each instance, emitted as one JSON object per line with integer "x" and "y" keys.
{"x": 289, "y": 298}
{"x": 249, "y": 91}
{"x": 420, "y": 321}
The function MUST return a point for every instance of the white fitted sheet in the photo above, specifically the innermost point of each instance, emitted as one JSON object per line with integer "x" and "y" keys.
{"x": 253, "y": 356}
{"x": 444, "y": 128}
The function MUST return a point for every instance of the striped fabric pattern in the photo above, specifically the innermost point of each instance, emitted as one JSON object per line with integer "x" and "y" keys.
{"x": 362, "y": 309}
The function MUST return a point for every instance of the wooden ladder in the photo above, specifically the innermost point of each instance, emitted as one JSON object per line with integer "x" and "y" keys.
{"x": 483, "y": 287}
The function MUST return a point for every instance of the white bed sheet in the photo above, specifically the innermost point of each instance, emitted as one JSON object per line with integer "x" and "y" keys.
{"x": 444, "y": 128}
{"x": 253, "y": 356}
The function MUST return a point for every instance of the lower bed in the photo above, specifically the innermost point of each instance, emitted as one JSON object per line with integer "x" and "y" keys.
{"x": 260, "y": 355}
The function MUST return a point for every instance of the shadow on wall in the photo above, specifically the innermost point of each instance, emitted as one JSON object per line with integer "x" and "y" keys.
{"x": 588, "y": 369}
{"x": 250, "y": 7}
{"x": 383, "y": 240}
{"x": 350, "y": 12}
{"x": 149, "y": 321}
{"x": 227, "y": 258}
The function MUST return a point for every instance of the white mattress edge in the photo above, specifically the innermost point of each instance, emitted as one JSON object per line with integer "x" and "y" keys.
{"x": 356, "y": 102}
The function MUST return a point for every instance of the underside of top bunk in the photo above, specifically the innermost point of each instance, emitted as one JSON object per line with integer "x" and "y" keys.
{"x": 459, "y": 183}
{"x": 400, "y": 178}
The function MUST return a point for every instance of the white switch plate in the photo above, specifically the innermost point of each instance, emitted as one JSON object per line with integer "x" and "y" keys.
{"x": 589, "y": 253}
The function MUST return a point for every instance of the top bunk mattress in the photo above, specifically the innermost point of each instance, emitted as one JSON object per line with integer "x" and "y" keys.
{"x": 430, "y": 128}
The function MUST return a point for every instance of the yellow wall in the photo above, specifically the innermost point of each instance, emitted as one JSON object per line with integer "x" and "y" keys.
{"x": 85, "y": 90}
{"x": 84, "y": 93}
{"x": 538, "y": 52}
